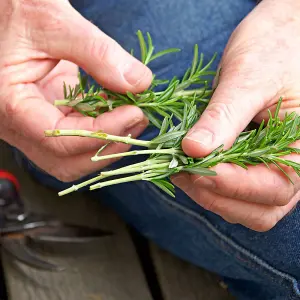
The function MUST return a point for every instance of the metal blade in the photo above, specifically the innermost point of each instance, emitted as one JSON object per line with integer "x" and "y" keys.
{"x": 69, "y": 234}
{"x": 17, "y": 249}
{"x": 66, "y": 239}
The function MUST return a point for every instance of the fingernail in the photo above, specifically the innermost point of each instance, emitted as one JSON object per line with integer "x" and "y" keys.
{"x": 136, "y": 72}
{"x": 205, "y": 182}
{"x": 203, "y": 137}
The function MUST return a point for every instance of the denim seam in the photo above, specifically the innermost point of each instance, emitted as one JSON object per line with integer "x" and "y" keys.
{"x": 255, "y": 262}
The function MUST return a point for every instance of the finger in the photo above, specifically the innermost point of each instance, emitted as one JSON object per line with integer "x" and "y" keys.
{"x": 69, "y": 168}
{"x": 287, "y": 106}
{"x": 121, "y": 121}
{"x": 51, "y": 85}
{"x": 27, "y": 71}
{"x": 68, "y": 35}
{"x": 257, "y": 184}
{"x": 184, "y": 182}
{"x": 26, "y": 109}
{"x": 236, "y": 100}
{"x": 258, "y": 217}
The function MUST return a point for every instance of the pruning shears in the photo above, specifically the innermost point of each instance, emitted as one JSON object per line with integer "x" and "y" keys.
{"x": 21, "y": 231}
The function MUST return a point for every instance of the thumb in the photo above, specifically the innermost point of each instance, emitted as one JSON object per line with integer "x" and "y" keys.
{"x": 79, "y": 41}
{"x": 230, "y": 110}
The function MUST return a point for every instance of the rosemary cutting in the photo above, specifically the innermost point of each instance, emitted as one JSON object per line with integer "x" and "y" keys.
{"x": 263, "y": 145}
{"x": 92, "y": 101}
{"x": 267, "y": 144}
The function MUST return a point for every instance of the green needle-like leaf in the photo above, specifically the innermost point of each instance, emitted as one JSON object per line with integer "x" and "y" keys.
{"x": 165, "y": 186}
{"x": 143, "y": 46}
{"x": 174, "y": 111}
{"x": 164, "y": 52}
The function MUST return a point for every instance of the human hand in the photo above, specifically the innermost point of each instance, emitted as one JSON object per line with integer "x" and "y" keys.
{"x": 41, "y": 44}
{"x": 260, "y": 64}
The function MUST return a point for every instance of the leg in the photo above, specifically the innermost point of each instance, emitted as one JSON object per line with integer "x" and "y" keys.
{"x": 255, "y": 265}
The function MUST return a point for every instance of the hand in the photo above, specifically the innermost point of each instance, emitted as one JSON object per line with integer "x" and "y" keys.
{"x": 41, "y": 44}
{"x": 260, "y": 64}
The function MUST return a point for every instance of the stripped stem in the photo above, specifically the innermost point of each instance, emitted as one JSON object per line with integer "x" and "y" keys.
{"x": 134, "y": 168}
{"x": 98, "y": 135}
{"x": 117, "y": 181}
{"x": 142, "y": 176}
{"x": 76, "y": 187}
{"x": 170, "y": 151}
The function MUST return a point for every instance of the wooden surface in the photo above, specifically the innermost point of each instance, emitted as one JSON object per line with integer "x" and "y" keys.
{"x": 180, "y": 280}
{"x": 111, "y": 271}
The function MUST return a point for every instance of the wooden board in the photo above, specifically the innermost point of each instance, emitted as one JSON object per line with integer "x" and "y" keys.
{"x": 110, "y": 272}
{"x": 181, "y": 280}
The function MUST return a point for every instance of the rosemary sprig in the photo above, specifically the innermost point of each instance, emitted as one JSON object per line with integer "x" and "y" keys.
{"x": 92, "y": 100}
{"x": 265, "y": 145}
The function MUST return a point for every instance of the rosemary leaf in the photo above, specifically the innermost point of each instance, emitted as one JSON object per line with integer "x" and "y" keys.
{"x": 174, "y": 111}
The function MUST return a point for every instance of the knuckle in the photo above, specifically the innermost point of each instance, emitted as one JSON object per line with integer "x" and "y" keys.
{"x": 282, "y": 194}
{"x": 67, "y": 178}
{"x": 261, "y": 227}
{"x": 210, "y": 204}
{"x": 100, "y": 49}
{"x": 238, "y": 191}
{"x": 243, "y": 63}
{"x": 248, "y": 59}
{"x": 282, "y": 199}
{"x": 9, "y": 104}
{"x": 224, "y": 114}
{"x": 230, "y": 219}
{"x": 217, "y": 111}
{"x": 12, "y": 109}
{"x": 264, "y": 223}
{"x": 57, "y": 147}
{"x": 61, "y": 175}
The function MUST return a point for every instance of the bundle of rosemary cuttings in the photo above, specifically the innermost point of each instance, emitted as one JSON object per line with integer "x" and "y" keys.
{"x": 174, "y": 111}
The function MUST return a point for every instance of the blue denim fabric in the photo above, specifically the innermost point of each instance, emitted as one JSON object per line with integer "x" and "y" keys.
{"x": 256, "y": 266}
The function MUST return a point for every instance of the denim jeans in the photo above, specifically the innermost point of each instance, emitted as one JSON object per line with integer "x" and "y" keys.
{"x": 256, "y": 266}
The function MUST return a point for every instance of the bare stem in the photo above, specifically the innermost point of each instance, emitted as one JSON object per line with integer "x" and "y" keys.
{"x": 75, "y": 188}
{"x": 98, "y": 135}
{"x": 135, "y": 169}
{"x": 142, "y": 166}
{"x": 192, "y": 92}
{"x": 61, "y": 102}
{"x": 170, "y": 151}
{"x": 137, "y": 177}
